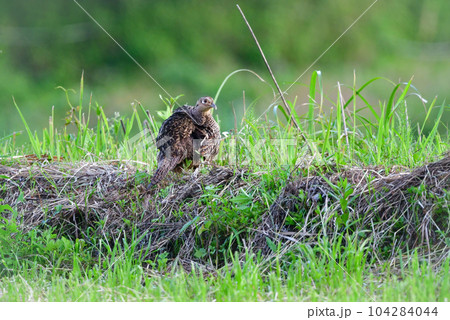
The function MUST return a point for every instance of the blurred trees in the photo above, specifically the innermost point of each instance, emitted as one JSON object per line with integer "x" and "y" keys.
{"x": 191, "y": 46}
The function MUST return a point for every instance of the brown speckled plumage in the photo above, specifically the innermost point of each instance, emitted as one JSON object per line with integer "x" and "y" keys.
{"x": 188, "y": 134}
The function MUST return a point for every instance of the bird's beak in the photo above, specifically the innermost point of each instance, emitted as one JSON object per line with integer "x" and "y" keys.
{"x": 213, "y": 106}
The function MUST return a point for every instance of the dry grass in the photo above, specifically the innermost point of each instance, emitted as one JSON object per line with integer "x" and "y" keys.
{"x": 393, "y": 210}
{"x": 396, "y": 209}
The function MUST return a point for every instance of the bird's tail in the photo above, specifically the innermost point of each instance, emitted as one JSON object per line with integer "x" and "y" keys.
{"x": 164, "y": 166}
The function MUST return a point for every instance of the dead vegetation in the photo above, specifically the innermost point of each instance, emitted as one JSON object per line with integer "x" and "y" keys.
{"x": 397, "y": 209}
{"x": 401, "y": 209}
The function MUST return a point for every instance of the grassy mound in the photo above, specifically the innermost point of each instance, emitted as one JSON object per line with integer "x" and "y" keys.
{"x": 208, "y": 212}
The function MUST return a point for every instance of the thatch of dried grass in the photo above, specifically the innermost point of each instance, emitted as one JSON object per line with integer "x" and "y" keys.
{"x": 110, "y": 199}
{"x": 389, "y": 207}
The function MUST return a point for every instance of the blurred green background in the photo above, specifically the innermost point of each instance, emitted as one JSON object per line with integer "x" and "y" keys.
{"x": 191, "y": 46}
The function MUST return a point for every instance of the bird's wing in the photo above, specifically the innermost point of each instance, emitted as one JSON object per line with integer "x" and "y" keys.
{"x": 174, "y": 132}
{"x": 174, "y": 143}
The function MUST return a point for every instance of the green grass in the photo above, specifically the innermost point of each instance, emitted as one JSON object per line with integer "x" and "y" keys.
{"x": 355, "y": 132}
{"x": 45, "y": 264}
{"x": 244, "y": 279}
{"x": 317, "y": 274}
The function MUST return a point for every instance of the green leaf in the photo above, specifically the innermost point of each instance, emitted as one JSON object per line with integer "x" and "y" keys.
{"x": 204, "y": 227}
{"x": 5, "y": 207}
{"x": 271, "y": 245}
{"x": 200, "y": 253}
{"x": 315, "y": 77}
{"x": 187, "y": 224}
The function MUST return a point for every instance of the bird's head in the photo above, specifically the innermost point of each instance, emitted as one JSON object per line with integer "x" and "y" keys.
{"x": 205, "y": 104}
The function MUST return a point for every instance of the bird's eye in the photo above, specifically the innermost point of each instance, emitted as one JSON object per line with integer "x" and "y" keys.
{"x": 205, "y": 101}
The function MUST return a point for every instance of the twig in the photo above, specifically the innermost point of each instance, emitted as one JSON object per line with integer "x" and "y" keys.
{"x": 235, "y": 120}
{"x": 123, "y": 127}
{"x": 286, "y": 107}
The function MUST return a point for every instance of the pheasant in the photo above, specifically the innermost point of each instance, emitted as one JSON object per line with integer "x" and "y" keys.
{"x": 189, "y": 134}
